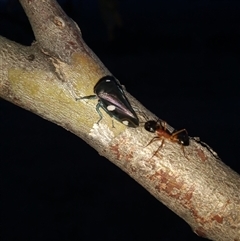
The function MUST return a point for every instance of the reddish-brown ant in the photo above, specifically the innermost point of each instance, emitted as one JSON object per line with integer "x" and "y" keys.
{"x": 162, "y": 129}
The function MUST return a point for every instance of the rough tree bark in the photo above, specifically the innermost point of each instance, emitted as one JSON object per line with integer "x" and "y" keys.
{"x": 46, "y": 77}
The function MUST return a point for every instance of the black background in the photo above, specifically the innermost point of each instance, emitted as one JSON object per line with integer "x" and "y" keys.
{"x": 181, "y": 60}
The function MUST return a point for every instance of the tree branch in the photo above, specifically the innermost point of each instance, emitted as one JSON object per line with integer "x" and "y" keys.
{"x": 46, "y": 77}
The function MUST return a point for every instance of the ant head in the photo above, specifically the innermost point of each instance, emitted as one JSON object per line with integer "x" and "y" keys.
{"x": 151, "y": 126}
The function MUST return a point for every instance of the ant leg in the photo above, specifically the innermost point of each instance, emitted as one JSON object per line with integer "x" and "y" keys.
{"x": 180, "y": 131}
{"x": 158, "y": 148}
{"x": 153, "y": 139}
{"x": 184, "y": 153}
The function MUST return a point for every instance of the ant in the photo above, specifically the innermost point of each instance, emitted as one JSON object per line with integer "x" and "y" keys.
{"x": 162, "y": 129}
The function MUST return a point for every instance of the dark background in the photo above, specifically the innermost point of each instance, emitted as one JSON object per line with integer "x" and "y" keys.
{"x": 181, "y": 60}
